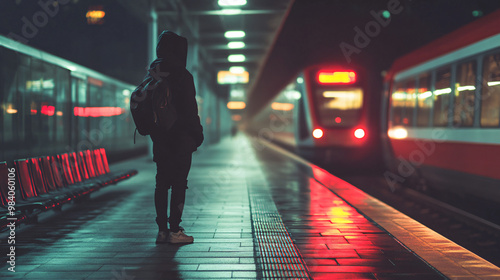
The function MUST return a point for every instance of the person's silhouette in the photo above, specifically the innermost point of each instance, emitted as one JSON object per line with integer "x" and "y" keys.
{"x": 172, "y": 149}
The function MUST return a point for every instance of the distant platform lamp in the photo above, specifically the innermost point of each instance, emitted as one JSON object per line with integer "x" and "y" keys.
{"x": 95, "y": 15}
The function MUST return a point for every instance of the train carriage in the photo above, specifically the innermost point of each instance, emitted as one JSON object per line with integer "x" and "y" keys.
{"x": 441, "y": 118}
{"x": 50, "y": 105}
{"x": 323, "y": 115}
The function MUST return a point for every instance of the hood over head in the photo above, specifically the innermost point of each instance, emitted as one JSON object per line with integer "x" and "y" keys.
{"x": 172, "y": 48}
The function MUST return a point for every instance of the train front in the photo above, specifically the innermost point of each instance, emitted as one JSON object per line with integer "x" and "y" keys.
{"x": 326, "y": 118}
{"x": 338, "y": 106}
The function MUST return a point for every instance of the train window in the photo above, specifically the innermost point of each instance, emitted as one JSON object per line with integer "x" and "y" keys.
{"x": 22, "y": 125}
{"x": 122, "y": 99}
{"x": 490, "y": 95}
{"x": 94, "y": 101}
{"x": 40, "y": 107}
{"x": 442, "y": 96}
{"x": 411, "y": 102}
{"x": 109, "y": 131}
{"x": 339, "y": 107}
{"x": 38, "y": 129}
{"x": 81, "y": 123}
{"x": 62, "y": 112}
{"x": 398, "y": 102}
{"x": 303, "y": 129}
{"x": 9, "y": 106}
{"x": 465, "y": 88}
{"x": 424, "y": 97}
{"x": 47, "y": 107}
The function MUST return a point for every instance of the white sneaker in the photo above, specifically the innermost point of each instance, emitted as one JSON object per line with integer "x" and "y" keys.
{"x": 163, "y": 237}
{"x": 180, "y": 237}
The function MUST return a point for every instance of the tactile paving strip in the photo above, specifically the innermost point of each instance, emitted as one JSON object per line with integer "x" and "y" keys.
{"x": 277, "y": 255}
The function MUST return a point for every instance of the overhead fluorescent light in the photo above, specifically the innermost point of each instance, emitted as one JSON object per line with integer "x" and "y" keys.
{"x": 237, "y": 69}
{"x": 236, "y": 105}
{"x": 237, "y": 93}
{"x": 236, "y": 58}
{"x": 236, "y": 45}
{"x": 225, "y": 3}
{"x": 234, "y": 34}
{"x": 231, "y": 11}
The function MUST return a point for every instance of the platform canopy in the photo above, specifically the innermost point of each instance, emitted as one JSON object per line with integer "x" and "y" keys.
{"x": 216, "y": 29}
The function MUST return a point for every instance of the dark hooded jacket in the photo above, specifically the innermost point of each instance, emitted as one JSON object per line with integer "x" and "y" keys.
{"x": 187, "y": 133}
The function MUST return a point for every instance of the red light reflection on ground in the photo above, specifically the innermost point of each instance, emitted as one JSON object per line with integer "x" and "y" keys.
{"x": 336, "y": 225}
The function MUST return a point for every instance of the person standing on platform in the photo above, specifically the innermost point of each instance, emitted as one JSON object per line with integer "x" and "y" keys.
{"x": 172, "y": 149}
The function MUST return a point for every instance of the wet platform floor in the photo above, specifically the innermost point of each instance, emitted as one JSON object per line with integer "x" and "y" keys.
{"x": 254, "y": 214}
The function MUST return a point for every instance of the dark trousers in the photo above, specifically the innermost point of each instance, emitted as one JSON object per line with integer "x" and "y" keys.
{"x": 172, "y": 172}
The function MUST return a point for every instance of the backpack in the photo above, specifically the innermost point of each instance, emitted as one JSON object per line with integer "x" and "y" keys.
{"x": 151, "y": 106}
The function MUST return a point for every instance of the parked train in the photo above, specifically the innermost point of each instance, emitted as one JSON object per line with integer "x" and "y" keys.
{"x": 441, "y": 113}
{"x": 323, "y": 114}
{"x": 49, "y": 105}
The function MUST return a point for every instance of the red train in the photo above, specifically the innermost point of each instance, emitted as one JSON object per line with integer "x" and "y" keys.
{"x": 323, "y": 114}
{"x": 441, "y": 113}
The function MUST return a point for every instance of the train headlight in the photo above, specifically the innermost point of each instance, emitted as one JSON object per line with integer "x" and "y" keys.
{"x": 359, "y": 133}
{"x": 318, "y": 133}
{"x": 397, "y": 132}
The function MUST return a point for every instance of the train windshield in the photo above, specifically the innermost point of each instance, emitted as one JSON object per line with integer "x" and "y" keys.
{"x": 339, "y": 107}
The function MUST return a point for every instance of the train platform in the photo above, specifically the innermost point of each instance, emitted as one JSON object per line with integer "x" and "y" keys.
{"x": 256, "y": 212}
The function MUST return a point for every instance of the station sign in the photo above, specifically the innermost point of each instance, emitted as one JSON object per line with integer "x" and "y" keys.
{"x": 229, "y": 78}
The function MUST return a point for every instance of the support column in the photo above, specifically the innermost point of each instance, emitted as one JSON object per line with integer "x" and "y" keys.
{"x": 152, "y": 33}
{"x": 152, "y": 41}
{"x": 195, "y": 53}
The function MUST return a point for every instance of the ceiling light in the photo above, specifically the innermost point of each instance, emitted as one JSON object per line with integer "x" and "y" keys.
{"x": 231, "y": 11}
{"x": 234, "y": 34}
{"x": 236, "y": 105}
{"x": 237, "y": 69}
{"x": 236, "y": 58}
{"x": 224, "y": 3}
{"x": 236, "y": 45}
{"x": 237, "y": 93}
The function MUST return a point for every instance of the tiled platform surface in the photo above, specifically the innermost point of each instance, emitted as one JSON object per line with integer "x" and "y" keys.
{"x": 445, "y": 256}
{"x": 112, "y": 235}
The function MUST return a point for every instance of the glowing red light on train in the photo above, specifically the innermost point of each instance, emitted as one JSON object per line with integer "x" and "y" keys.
{"x": 331, "y": 77}
{"x": 48, "y": 110}
{"x": 97, "y": 111}
{"x": 338, "y": 119}
{"x": 359, "y": 133}
{"x": 317, "y": 133}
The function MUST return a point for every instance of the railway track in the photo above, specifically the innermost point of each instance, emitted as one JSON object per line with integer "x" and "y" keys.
{"x": 470, "y": 231}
